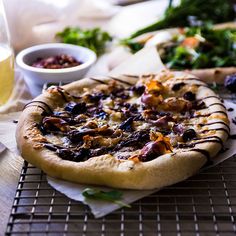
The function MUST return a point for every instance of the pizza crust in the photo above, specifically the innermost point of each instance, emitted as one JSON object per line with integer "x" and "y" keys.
{"x": 106, "y": 169}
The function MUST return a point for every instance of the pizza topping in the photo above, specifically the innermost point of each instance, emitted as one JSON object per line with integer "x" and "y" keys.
{"x": 156, "y": 148}
{"x": 178, "y": 129}
{"x": 178, "y": 86}
{"x": 54, "y": 124}
{"x": 138, "y": 89}
{"x": 127, "y": 125}
{"x": 230, "y": 82}
{"x": 190, "y": 96}
{"x": 139, "y": 122}
{"x": 76, "y": 108}
{"x": 188, "y": 135}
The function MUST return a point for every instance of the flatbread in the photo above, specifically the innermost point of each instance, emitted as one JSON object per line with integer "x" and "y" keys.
{"x": 166, "y": 158}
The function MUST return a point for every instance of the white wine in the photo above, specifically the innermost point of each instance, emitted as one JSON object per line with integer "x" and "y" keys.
{"x": 6, "y": 73}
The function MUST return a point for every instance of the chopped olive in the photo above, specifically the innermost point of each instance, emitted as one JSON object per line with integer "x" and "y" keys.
{"x": 101, "y": 114}
{"x": 198, "y": 105}
{"x": 65, "y": 154}
{"x": 178, "y": 86}
{"x": 120, "y": 93}
{"x": 188, "y": 135}
{"x": 138, "y": 89}
{"x": 136, "y": 138}
{"x": 96, "y": 97}
{"x": 127, "y": 125}
{"x": 230, "y": 82}
{"x": 76, "y": 108}
{"x": 82, "y": 155}
{"x": 189, "y": 96}
{"x": 77, "y": 135}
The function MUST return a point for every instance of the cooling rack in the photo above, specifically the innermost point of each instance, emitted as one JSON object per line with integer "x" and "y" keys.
{"x": 202, "y": 205}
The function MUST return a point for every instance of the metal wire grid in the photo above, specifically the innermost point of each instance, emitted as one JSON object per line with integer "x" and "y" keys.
{"x": 202, "y": 205}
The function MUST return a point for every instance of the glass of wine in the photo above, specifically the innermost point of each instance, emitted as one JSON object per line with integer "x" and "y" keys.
{"x": 6, "y": 59}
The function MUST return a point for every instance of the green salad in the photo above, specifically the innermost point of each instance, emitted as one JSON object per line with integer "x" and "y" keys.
{"x": 200, "y": 47}
{"x": 95, "y": 38}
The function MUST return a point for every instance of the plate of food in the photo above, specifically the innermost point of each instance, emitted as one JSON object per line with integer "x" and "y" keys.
{"x": 205, "y": 51}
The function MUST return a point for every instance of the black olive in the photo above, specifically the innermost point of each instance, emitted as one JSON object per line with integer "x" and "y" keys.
{"x": 139, "y": 90}
{"x": 101, "y": 114}
{"x": 189, "y": 96}
{"x": 65, "y": 154}
{"x": 178, "y": 86}
{"x": 127, "y": 125}
{"x": 198, "y": 105}
{"x": 96, "y": 97}
{"x": 82, "y": 155}
{"x": 76, "y": 108}
{"x": 120, "y": 93}
{"x": 137, "y": 138}
{"x": 230, "y": 82}
{"x": 77, "y": 135}
{"x": 188, "y": 135}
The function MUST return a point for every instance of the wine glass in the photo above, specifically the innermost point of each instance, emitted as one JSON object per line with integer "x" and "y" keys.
{"x": 6, "y": 59}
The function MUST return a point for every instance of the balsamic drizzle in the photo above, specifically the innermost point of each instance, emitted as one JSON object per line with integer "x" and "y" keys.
{"x": 131, "y": 76}
{"x": 121, "y": 81}
{"x": 191, "y": 145}
{"x": 45, "y": 104}
{"x": 216, "y": 129}
{"x": 214, "y": 123}
{"x": 205, "y": 115}
{"x": 62, "y": 92}
{"x": 98, "y": 80}
{"x": 212, "y": 96}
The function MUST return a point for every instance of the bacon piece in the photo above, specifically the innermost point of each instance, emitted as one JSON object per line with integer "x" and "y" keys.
{"x": 156, "y": 148}
{"x": 55, "y": 123}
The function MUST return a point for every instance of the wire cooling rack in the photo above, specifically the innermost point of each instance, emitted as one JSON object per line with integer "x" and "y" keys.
{"x": 202, "y": 205}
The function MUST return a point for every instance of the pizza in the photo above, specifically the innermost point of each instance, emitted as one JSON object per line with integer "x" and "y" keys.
{"x": 128, "y": 131}
{"x": 206, "y": 52}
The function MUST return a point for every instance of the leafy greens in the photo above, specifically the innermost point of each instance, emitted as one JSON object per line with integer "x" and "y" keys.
{"x": 110, "y": 196}
{"x": 200, "y": 47}
{"x": 95, "y": 39}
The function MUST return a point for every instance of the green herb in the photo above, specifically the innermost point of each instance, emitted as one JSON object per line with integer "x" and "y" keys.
{"x": 215, "y": 11}
{"x": 200, "y": 47}
{"x": 110, "y": 196}
{"x": 134, "y": 46}
{"x": 214, "y": 86}
{"x": 95, "y": 39}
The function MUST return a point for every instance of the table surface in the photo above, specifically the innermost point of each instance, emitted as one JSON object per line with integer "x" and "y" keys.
{"x": 10, "y": 163}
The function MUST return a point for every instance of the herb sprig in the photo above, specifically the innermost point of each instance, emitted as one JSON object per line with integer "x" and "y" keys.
{"x": 95, "y": 38}
{"x": 113, "y": 196}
